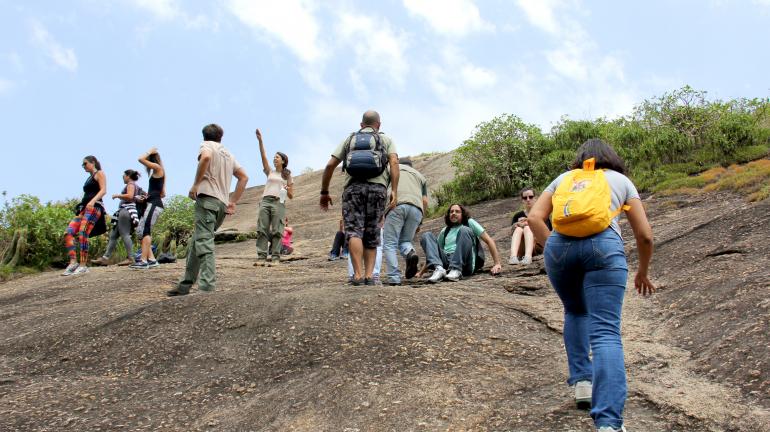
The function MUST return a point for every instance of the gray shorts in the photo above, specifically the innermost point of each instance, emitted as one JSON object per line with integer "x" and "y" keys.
{"x": 148, "y": 220}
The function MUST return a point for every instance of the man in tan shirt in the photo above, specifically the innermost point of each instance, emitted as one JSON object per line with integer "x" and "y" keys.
{"x": 211, "y": 192}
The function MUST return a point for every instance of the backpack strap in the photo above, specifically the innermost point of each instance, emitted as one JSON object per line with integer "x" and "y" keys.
{"x": 347, "y": 150}
{"x": 624, "y": 207}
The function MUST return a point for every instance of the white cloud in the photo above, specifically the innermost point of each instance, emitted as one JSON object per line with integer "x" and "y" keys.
{"x": 292, "y": 22}
{"x": 449, "y": 17}
{"x": 5, "y": 85}
{"x": 379, "y": 50}
{"x": 64, "y": 57}
{"x": 164, "y": 9}
{"x": 540, "y": 14}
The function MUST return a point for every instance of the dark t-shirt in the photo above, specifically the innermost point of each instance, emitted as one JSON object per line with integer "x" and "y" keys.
{"x": 521, "y": 214}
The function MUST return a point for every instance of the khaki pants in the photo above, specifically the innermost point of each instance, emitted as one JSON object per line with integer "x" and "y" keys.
{"x": 209, "y": 214}
{"x": 270, "y": 227}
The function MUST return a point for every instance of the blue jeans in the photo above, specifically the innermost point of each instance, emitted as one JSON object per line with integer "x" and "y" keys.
{"x": 589, "y": 275}
{"x": 400, "y": 226}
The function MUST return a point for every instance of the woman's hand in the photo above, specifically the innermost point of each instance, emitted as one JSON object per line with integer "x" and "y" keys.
{"x": 152, "y": 151}
{"x": 259, "y": 136}
{"x": 643, "y": 284}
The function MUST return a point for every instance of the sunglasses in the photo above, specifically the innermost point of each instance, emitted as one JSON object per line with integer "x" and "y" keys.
{"x": 527, "y": 197}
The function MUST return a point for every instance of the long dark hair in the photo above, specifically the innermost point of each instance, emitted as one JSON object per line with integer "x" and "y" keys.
{"x": 285, "y": 173}
{"x": 132, "y": 174}
{"x": 604, "y": 154}
{"x": 465, "y": 213}
{"x": 154, "y": 158}
{"x": 92, "y": 159}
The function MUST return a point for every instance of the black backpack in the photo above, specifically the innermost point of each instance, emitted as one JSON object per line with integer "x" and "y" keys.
{"x": 362, "y": 161}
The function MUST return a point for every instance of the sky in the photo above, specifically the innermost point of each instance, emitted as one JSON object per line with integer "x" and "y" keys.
{"x": 112, "y": 78}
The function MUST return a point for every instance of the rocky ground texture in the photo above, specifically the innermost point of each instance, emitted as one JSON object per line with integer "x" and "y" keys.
{"x": 293, "y": 347}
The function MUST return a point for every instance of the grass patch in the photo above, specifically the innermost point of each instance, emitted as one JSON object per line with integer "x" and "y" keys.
{"x": 751, "y": 180}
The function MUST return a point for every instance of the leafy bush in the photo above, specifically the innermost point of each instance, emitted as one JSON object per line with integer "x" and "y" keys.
{"x": 177, "y": 221}
{"x": 45, "y": 225}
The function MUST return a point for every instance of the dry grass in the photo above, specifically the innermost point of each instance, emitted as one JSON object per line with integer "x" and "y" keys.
{"x": 751, "y": 179}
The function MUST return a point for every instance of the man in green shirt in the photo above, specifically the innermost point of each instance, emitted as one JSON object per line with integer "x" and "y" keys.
{"x": 370, "y": 165}
{"x": 457, "y": 247}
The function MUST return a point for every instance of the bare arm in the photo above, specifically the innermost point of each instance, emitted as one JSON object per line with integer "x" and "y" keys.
{"x": 102, "y": 180}
{"x": 128, "y": 196}
{"x": 424, "y": 205}
{"x": 204, "y": 159}
{"x": 540, "y": 212}
{"x": 290, "y": 190}
{"x": 394, "y": 175}
{"x": 637, "y": 218}
{"x": 326, "y": 200}
{"x": 157, "y": 169}
{"x": 493, "y": 250}
{"x": 265, "y": 162}
{"x": 243, "y": 179}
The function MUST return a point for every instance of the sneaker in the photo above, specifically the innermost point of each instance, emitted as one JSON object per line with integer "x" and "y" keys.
{"x": 80, "y": 270}
{"x": 70, "y": 269}
{"x": 333, "y": 257}
{"x": 583, "y": 390}
{"x": 526, "y": 260}
{"x": 611, "y": 429}
{"x": 368, "y": 281}
{"x": 344, "y": 256}
{"x": 357, "y": 282}
{"x": 454, "y": 275}
{"x": 276, "y": 260}
{"x": 438, "y": 275}
{"x": 152, "y": 263}
{"x": 412, "y": 260}
{"x": 101, "y": 261}
{"x": 394, "y": 283}
{"x": 141, "y": 265}
{"x": 513, "y": 260}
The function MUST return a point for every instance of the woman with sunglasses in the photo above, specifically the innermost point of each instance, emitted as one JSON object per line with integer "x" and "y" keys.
{"x": 520, "y": 231}
{"x": 88, "y": 212}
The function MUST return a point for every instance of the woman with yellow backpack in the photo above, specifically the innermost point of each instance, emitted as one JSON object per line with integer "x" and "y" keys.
{"x": 586, "y": 264}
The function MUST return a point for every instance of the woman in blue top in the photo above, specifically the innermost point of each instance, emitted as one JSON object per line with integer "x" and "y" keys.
{"x": 589, "y": 274}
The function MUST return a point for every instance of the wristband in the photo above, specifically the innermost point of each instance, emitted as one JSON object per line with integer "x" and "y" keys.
{"x": 324, "y": 192}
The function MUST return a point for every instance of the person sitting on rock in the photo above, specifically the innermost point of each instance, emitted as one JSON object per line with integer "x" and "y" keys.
{"x": 520, "y": 231}
{"x": 457, "y": 247}
{"x": 286, "y": 243}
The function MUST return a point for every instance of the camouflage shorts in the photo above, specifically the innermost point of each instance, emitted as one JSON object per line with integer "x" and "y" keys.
{"x": 363, "y": 205}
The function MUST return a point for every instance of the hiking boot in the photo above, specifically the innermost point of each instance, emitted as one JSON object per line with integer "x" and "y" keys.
{"x": 101, "y": 261}
{"x": 438, "y": 275}
{"x": 412, "y": 260}
{"x": 513, "y": 260}
{"x": 141, "y": 265}
{"x": 80, "y": 270}
{"x": 583, "y": 390}
{"x": 611, "y": 429}
{"x": 126, "y": 262}
{"x": 454, "y": 275}
{"x": 526, "y": 260}
{"x": 175, "y": 292}
{"x": 70, "y": 269}
{"x": 152, "y": 263}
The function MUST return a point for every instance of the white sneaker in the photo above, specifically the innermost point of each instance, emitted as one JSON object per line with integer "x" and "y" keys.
{"x": 611, "y": 429}
{"x": 454, "y": 275}
{"x": 513, "y": 260}
{"x": 583, "y": 390}
{"x": 80, "y": 270}
{"x": 526, "y": 260}
{"x": 438, "y": 275}
{"x": 70, "y": 269}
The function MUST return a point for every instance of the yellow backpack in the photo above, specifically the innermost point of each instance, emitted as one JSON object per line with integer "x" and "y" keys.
{"x": 581, "y": 203}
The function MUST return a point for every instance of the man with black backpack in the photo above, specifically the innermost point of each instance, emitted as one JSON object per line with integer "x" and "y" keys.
{"x": 457, "y": 247}
{"x": 370, "y": 163}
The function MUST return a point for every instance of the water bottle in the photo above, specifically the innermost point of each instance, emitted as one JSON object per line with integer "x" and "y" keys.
{"x": 282, "y": 195}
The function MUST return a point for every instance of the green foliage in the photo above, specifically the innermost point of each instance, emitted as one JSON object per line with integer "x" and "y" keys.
{"x": 177, "y": 221}
{"x": 664, "y": 142}
{"x": 500, "y": 158}
{"x": 44, "y": 224}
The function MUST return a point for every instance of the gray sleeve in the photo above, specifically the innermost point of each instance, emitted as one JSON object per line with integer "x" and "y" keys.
{"x": 554, "y": 184}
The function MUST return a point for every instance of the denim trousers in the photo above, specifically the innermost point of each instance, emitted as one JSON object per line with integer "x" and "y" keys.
{"x": 461, "y": 259}
{"x": 589, "y": 275}
{"x": 400, "y": 225}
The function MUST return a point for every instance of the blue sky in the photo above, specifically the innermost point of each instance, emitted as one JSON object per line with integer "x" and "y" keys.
{"x": 114, "y": 77}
